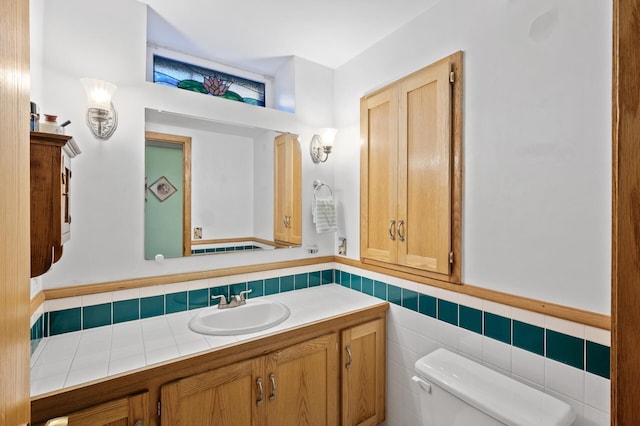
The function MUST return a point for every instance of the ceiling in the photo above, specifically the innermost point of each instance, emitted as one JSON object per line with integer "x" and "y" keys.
{"x": 258, "y": 35}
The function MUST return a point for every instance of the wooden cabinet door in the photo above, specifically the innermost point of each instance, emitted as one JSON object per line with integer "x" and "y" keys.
{"x": 226, "y": 396}
{"x": 379, "y": 176}
{"x": 288, "y": 187}
{"x": 363, "y": 374}
{"x": 424, "y": 193}
{"x": 130, "y": 411}
{"x": 302, "y": 384}
{"x": 46, "y": 198}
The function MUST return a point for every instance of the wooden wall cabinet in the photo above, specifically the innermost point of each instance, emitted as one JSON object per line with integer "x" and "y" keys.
{"x": 288, "y": 190}
{"x": 411, "y": 173}
{"x": 292, "y": 386}
{"x": 50, "y": 197}
{"x": 363, "y": 374}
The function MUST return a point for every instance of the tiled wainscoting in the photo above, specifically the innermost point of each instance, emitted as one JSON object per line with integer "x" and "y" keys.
{"x": 565, "y": 359}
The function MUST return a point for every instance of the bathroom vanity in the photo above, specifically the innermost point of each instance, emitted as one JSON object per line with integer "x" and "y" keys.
{"x": 324, "y": 365}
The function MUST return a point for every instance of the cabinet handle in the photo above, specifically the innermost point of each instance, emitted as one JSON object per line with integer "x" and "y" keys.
{"x": 391, "y": 229}
{"x": 138, "y": 423}
{"x": 348, "y": 365}
{"x": 273, "y": 387}
{"x": 260, "y": 392}
{"x": 284, "y": 220}
{"x": 400, "y": 230}
{"x": 288, "y": 221}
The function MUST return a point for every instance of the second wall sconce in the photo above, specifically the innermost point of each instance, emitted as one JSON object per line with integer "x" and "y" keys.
{"x": 102, "y": 117}
{"x": 322, "y": 144}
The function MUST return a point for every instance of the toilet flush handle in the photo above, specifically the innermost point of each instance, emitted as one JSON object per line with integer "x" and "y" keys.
{"x": 424, "y": 385}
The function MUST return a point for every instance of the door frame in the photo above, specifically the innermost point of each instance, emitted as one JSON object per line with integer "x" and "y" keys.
{"x": 185, "y": 145}
{"x": 625, "y": 242}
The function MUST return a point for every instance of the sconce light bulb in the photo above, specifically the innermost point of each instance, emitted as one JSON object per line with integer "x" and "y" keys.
{"x": 328, "y": 135}
{"x": 102, "y": 118}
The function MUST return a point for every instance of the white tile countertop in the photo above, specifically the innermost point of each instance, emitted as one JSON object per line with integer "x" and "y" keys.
{"x": 72, "y": 359}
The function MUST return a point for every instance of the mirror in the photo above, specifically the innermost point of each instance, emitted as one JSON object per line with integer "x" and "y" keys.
{"x": 209, "y": 187}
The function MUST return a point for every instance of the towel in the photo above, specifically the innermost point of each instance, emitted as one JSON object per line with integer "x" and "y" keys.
{"x": 324, "y": 215}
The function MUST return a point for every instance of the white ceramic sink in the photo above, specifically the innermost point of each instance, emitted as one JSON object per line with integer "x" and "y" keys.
{"x": 255, "y": 315}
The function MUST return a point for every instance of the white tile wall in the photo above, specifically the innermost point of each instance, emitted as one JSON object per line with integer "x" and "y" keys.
{"x": 588, "y": 394}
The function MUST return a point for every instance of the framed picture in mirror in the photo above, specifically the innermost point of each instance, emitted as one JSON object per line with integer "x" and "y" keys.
{"x": 162, "y": 188}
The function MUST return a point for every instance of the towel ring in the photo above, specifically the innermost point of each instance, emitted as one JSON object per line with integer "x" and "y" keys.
{"x": 317, "y": 185}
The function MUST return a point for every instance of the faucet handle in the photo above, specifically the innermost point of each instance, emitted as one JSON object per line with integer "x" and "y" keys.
{"x": 243, "y": 293}
{"x": 223, "y": 300}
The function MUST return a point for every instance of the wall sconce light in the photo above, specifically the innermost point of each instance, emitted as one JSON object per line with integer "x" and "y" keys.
{"x": 102, "y": 117}
{"x": 322, "y": 144}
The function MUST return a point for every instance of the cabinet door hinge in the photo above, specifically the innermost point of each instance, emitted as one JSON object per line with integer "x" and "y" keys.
{"x": 451, "y": 257}
{"x": 158, "y": 408}
{"x": 452, "y": 77}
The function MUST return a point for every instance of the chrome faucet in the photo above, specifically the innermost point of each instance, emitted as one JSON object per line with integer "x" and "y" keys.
{"x": 235, "y": 300}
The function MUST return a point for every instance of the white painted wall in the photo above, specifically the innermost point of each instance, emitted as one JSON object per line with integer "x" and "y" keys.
{"x": 537, "y": 139}
{"x": 36, "y": 67}
{"x": 108, "y": 207}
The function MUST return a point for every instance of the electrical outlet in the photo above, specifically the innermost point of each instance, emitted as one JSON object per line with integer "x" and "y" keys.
{"x": 197, "y": 233}
{"x": 342, "y": 247}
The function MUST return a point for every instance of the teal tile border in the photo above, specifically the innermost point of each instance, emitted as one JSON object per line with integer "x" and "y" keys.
{"x": 565, "y": 349}
{"x": 151, "y": 306}
{"x": 380, "y": 290}
{"x": 287, "y": 283}
{"x": 199, "y": 298}
{"x": 448, "y": 312}
{"x": 96, "y": 316}
{"x": 65, "y": 321}
{"x": 470, "y": 319}
{"x": 271, "y": 286}
{"x": 560, "y": 347}
{"x": 256, "y": 287}
{"x": 175, "y": 302}
{"x": 301, "y": 281}
{"x": 528, "y": 337}
{"x": 410, "y": 299}
{"x": 394, "y": 294}
{"x": 598, "y": 359}
{"x": 235, "y": 289}
{"x": 497, "y": 327}
{"x": 126, "y": 310}
{"x": 224, "y": 249}
{"x": 427, "y": 305}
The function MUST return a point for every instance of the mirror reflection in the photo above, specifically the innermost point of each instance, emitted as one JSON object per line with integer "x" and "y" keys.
{"x": 209, "y": 187}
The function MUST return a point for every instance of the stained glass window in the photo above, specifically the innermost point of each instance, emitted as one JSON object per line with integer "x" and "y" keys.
{"x": 182, "y": 75}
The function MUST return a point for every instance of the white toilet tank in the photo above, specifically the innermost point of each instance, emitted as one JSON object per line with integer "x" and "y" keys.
{"x": 457, "y": 391}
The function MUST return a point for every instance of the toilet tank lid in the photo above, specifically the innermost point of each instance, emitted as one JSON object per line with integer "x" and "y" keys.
{"x": 499, "y": 396}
